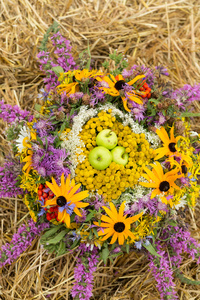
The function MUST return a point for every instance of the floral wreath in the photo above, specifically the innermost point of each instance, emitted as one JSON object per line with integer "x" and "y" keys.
{"x": 106, "y": 165}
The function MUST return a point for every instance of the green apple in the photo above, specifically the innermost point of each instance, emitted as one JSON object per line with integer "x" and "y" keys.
{"x": 119, "y": 155}
{"x": 107, "y": 138}
{"x": 100, "y": 158}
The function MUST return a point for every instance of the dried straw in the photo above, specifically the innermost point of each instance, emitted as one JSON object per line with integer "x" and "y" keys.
{"x": 150, "y": 32}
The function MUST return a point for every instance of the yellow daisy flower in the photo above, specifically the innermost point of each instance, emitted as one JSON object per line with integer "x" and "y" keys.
{"x": 66, "y": 198}
{"x": 114, "y": 85}
{"x": 170, "y": 143}
{"x": 163, "y": 184}
{"x": 183, "y": 166}
{"x": 29, "y": 153}
{"x": 117, "y": 225}
{"x": 70, "y": 84}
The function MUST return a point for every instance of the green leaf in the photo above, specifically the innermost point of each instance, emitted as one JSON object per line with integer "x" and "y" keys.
{"x": 75, "y": 243}
{"x": 89, "y": 60}
{"x": 156, "y": 101}
{"x": 127, "y": 248}
{"x": 185, "y": 279}
{"x": 58, "y": 237}
{"x": 38, "y": 107}
{"x": 62, "y": 128}
{"x": 62, "y": 249}
{"x": 40, "y": 141}
{"x": 89, "y": 216}
{"x": 57, "y": 70}
{"x": 151, "y": 250}
{"x": 104, "y": 254}
{"x": 46, "y": 143}
{"x": 95, "y": 232}
{"x": 172, "y": 223}
{"x": 51, "y": 231}
{"x": 189, "y": 114}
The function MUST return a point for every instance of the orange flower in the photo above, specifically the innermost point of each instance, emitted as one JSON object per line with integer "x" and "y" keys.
{"x": 115, "y": 84}
{"x": 66, "y": 198}
{"x": 117, "y": 225}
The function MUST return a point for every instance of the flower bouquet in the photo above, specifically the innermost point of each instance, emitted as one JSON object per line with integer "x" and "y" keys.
{"x": 107, "y": 164}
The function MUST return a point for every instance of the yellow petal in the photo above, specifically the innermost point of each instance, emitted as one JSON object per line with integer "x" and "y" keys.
{"x": 106, "y": 236}
{"x": 107, "y": 219}
{"x": 51, "y": 202}
{"x": 77, "y": 212}
{"x": 155, "y": 193}
{"x": 121, "y": 238}
{"x": 67, "y": 220}
{"x": 125, "y": 105}
{"x": 56, "y": 187}
{"x": 52, "y": 188}
{"x": 114, "y": 238}
{"x": 73, "y": 191}
{"x": 81, "y": 204}
{"x": 135, "y": 79}
{"x": 79, "y": 196}
{"x": 134, "y": 218}
{"x": 121, "y": 210}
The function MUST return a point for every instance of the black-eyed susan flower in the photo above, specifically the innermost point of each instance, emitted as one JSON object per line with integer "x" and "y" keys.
{"x": 169, "y": 143}
{"x": 183, "y": 165}
{"x": 67, "y": 198}
{"x": 163, "y": 184}
{"x": 117, "y": 225}
{"x": 113, "y": 85}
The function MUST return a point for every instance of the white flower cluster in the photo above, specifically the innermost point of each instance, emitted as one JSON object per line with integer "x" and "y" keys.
{"x": 72, "y": 142}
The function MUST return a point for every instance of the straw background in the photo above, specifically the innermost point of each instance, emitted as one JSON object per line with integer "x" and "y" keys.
{"x": 150, "y": 32}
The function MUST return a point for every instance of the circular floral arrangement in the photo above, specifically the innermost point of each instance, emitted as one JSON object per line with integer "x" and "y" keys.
{"x": 106, "y": 164}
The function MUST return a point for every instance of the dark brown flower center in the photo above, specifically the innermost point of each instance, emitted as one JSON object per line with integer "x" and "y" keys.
{"x": 172, "y": 147}
{"x": 184, "y": 169}
{"x": 61, "y": 201}
{"x": 164, "y": 186}
{"x": 119, "y": 84}
{"x": 119, "y": 227}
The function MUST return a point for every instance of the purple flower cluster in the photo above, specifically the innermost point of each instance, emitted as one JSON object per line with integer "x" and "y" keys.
{"x": 20, "y": 242}
{"x": 83, "y": 273}
{"x": 177, "y": 240}
{"x": 153, "y": 205}
{"x": 96, "y": 96}
{"x": 181, "y": 241}
{"x": 64, "y": 60}
{"x": 50, "y": 161}
{"x": 43, "y": 127}
{"x": 187, "y": 94}
{"x": 163, "y": 273}
{"x": 8, "y": 179}
{"x": 13, "y": 114}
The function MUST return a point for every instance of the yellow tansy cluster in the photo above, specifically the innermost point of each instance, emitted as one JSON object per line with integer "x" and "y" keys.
{"x": 145, "y": 226}
{"x": 112, "y": 181}
{"x": 28, "y": 205}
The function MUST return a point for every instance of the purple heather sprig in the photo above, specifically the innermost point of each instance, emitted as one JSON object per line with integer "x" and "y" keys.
{"x": 83, "y": 273}
{"x": 185, "y": 95}
{"x": 64, "y": 60}
{"x": 20, "y": 241}
{"x": 8, "y": 178}
{"x": 163, "y": 273}
{"x": 13, "y": 114}
{"x": 181, "y": 241}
